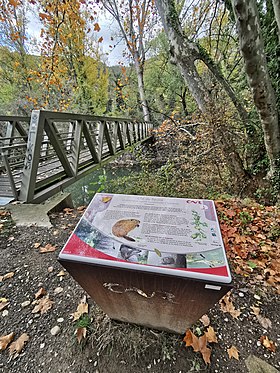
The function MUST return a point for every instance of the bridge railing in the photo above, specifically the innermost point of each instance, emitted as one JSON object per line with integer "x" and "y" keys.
{"x": 13, "y": 141}
{"x": 63, "y": 147}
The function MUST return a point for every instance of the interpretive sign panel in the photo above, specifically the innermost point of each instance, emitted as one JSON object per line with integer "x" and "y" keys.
{"x": 174, "y": 236}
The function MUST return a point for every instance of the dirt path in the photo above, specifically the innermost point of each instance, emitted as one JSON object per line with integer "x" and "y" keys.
{"x": 111, "y": 346}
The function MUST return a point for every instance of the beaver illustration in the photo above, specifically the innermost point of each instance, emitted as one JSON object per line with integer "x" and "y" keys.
{"x": 122, "y": 227}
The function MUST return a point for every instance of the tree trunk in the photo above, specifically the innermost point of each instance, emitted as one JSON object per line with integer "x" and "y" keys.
{"x": 183, "y": 53}
{"x": 212, "y": 66}
{"x": 126, "y": 25}
{"x": 252, "y": 48}
{"x": 183, "y": 101}
{"x": 140, "y": 81}
{"x": 276, "y": 7}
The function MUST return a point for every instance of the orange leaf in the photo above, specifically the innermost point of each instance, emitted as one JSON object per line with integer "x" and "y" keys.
{"x": 188, "y": 338}
{"x": 81, "y": 334}
{"x": 211, "y": 335}
{"x": 198, "y": 345}
{"x": 233, "y": 353}
{"x": 44, "y": 16}
{"x": 205, "y": 351}
{"x": 268, "y": 343}
{"x": 100, "y": 40}
{"x": 14, "y": 3}
{"x": 17, "y": 346}
{"x": 96, "y": 27}
{"x": 5, "y": 340}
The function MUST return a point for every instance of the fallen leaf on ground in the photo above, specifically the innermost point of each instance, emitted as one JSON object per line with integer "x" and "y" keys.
{"x": 267, "y": 343}
{"x": 17, "y": 346}
{"x": 36, "y": 245}
{"x": 211, "y": 335}
{"x": 47, "y": 249}
{"x": 191, "y": 340}
{"x": 228, "y": 307}
{"x": 41, "y": 292}
{"x": 3, "y": 303}
{"x": 233, "y": 353}
{"x": 205, "y": 351}
{"x": 58, "y": 290}
{"x": 81, "y": 309}
{"x": 205, "y": 320}
{"x": 43, "y": 305}
{"x": 5, "y": 340}
{"x": 61, "y": 273}
{"x": 264, "y": 321}
{"x": 198, "y": 345}
{"x": 6, "y": 276}
{"x": 81, "y": 334}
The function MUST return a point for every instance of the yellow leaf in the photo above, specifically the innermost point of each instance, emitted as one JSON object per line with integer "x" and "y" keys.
{"x": 104, "y": 199}
{"x": 3, "y": 303}
{"x": 5, "y": 340}
{"x": 157, "y": 252}
{"x": 17, "y": 346}
{"x": 233, "y": 353}
{"x": 61, "y": 273}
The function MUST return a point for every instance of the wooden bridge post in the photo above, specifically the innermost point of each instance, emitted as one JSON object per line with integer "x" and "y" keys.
{"x": 10, "y": 131}
{"x": 32, "y": 156}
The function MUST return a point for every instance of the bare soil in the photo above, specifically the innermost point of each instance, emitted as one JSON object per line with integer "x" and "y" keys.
{"x": 111, "y": 346}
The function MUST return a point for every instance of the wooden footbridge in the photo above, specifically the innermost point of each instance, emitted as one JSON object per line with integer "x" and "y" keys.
{"x": 43, "y": 154}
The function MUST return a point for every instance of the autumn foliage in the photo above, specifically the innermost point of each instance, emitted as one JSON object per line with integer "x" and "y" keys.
{"x": 251, "y": 234}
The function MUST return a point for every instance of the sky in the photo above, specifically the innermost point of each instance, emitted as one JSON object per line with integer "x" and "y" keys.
{"x": 109, "y": 29}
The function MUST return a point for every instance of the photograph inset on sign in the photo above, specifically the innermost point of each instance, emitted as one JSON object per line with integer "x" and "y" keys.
{"x": 207, "y": 259}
